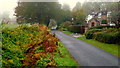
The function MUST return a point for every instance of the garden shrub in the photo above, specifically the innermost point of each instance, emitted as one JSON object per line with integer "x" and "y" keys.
{"x": 89, "y": 33}
{"x": 104, "y": 22}
{"x": 110, "y": 36}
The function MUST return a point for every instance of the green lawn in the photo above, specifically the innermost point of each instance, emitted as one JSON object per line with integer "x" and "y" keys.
{"x": 111, "y": 48}
{"x": 64, "y": 58}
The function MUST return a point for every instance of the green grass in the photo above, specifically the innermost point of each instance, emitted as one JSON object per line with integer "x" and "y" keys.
{"x": 64, "y": 58}
{"x": 68, "y": 33}
{"x": 111, "y": 48}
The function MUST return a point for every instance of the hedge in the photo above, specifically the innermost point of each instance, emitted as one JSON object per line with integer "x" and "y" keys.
{"x": 76, "y": 29}
{"x": 110, "y": 36}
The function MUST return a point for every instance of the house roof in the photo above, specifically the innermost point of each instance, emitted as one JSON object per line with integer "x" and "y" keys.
{"x": 97, "y": 13}
{"x": 94, "y": 14}
{"x": 94, "y": 19}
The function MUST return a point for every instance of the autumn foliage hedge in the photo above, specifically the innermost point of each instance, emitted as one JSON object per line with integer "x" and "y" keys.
{"x": 28, "y": 46}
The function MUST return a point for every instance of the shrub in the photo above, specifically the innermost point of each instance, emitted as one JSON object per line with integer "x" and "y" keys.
{"x": 89, "y": 33}
{"x": 111, "y": 36}
{"x": 28, "y": 46}
{"x": 104, "y": 22}
{"x": 76, "y": 29}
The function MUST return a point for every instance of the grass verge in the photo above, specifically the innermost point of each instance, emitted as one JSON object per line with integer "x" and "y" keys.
{"x": 68, "y": 33}
{"x": 64, "y": 58}
{"x": 111, "y": 48}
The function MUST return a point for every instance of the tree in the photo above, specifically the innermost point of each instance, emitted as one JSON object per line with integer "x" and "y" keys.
{"x": 39, "y": 12}
{"x": 77, "y": 6}
{"x": 79, "y": 16}
{"x": 4, "y": 17}
{"x": 115, "y": 13}
{"x": 66, "y": 7}
{"x": 64, "y": 14}
{"x": 52, "y": 24}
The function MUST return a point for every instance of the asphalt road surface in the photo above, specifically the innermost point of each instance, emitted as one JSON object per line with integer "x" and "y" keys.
{"x": 86, "y": 54}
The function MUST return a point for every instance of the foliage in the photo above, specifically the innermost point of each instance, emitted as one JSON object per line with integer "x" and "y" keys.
{"x": 28, "y": 46}
{"x": 89, "y": 33}
{"x": 76, "y": 28}
{"x": 77, "y": 6}
{"x": 115, "y": 18}
{"x": 41, "y": 12}
{"x": 65, "y": 14}
{"x": 64, "y": 58}
{"x": 111, "y": 48}
{"x": 52, "y": 24}
{"x": 66, "y": 24}
{"x": 111, "y": 36}
{"x": 79, "y": 16}
{"x": 104, "y": 22}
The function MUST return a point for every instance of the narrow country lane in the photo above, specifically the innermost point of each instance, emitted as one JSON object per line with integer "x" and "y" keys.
{"x": 86, "y": 54}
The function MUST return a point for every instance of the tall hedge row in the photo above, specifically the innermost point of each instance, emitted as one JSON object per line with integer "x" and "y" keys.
{"x": 76, "y": 29}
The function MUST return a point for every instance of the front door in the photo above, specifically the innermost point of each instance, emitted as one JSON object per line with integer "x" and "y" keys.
{"x": 93, "y": 24}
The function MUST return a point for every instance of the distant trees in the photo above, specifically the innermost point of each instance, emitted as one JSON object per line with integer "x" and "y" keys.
{"x": 4, "y": 17}
{"x": 115, "y": 15}
{"x": 79, "y": 16}
{"x": 77, "y": 6}
{"x": 66, "y": 13}
{"x": 40, "y": 12}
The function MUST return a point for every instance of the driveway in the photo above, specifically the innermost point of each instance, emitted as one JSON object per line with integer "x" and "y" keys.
{"x": 86, "y": 54}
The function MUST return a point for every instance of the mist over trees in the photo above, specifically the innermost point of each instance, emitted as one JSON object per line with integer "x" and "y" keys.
{"x": 42, "y": 12}
{"x": 4, "y": 17}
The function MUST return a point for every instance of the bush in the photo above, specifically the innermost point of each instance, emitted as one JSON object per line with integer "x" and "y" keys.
{"x": 76, "y": 29}
{"x": 28, "y": 46}
{"x": 104, "y": 22}
{"x": 89, "y": 34}
{"x": 110, "y": 36}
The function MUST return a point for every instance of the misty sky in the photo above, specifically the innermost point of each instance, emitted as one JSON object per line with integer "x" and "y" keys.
{"x": 9, "y": 5}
